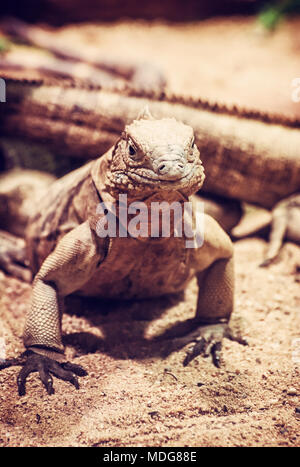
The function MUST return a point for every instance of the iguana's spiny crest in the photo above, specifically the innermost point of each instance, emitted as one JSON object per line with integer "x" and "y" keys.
{"x": 154, "y": 155}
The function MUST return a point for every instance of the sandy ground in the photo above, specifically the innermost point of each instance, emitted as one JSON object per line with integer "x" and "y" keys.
{"x": 136, "y": 395}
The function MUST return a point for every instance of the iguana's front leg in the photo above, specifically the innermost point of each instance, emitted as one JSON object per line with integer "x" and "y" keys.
{"x": 214, "y": 308}
{"x": 215, "y": 298}
{"x": 64, "y": 271}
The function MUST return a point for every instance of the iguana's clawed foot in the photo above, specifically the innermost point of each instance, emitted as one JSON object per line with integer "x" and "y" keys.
{"x": 46, "y": 367}
{"x": 207, "y": 341}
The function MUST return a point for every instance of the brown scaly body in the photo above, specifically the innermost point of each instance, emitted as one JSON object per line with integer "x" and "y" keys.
{"x": 153, "y": 161}
{"x": 248, "y": 156}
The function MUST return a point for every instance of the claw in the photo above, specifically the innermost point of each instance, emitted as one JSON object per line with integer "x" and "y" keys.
{"x": 208, "y": 342}
{"x": 46, "y": 367}
{"x": 77, "y": 369}
{"x": 216, "y": 354}
{"x": 235, "y": 338}
{"x": 12, "y": 362}
{"x": 195, "y": 351}
{"x": 206, "y": 348}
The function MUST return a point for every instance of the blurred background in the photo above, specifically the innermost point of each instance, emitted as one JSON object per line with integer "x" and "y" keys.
{"x": 63, "y": 11}
{"x": 58, "y": 12}
{"x": 233, "y": 52}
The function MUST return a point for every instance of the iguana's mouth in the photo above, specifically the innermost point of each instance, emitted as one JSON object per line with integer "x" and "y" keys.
{"x": 150, "y": 178}
{"x": 145, "y": 180}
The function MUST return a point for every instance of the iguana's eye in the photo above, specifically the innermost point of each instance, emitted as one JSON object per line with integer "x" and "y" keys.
{"x": 193, "y": 143}
{"x": 132, "y": 151}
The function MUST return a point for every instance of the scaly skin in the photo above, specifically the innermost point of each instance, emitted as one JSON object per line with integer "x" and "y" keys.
{"x": 285, "y": 224}
{"x": 248, "y": 156}
{"x": 22, "y": 190}
{"x": 153, "y": 161}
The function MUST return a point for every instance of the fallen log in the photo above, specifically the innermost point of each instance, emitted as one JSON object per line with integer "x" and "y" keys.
{"x": 247, "y": 155}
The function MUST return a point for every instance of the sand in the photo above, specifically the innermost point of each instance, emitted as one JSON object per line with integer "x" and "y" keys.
{"x": 135, "y": 393}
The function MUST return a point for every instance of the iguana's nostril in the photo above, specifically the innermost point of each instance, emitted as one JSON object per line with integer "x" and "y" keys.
{"x": 170, "y": 169}
{"x": 161, "y": 167}
{"x": 165, "y": 167}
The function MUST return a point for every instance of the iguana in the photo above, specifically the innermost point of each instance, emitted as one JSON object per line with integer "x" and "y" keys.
{"x": 153, "y": 161}
{"x": 247, "y": 155}
{"x": 20, "y": 190}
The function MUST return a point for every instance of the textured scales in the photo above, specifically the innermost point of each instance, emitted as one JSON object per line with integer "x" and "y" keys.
{"x": 153, "y": 160}
{"x": 285, "y": 224}
{"x": 247, "y": 155}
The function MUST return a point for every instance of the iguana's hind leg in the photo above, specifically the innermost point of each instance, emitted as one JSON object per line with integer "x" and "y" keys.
{"x": 278, "y": 231}
{"x": 13, "y": 256}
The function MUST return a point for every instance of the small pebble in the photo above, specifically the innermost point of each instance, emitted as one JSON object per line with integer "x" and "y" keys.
{"x": 292, "y": 391}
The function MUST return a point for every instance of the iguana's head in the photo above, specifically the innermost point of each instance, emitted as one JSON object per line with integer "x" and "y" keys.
{"x": 154, "y": 155}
